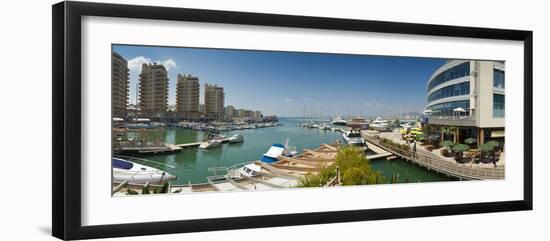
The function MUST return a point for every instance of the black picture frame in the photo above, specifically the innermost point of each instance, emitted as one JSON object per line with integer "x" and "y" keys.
{"x": 67, "y": 137}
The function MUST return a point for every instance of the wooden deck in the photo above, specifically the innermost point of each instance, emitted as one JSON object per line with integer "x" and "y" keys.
{"x": 433, "y": 162}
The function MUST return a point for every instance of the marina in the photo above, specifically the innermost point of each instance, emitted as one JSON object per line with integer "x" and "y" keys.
{"x": 204, "y": 132}
{"x": 200, "y": 170}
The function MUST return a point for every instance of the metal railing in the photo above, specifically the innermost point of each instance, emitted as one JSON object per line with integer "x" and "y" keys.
{"x": 443, "y": 166}
{"x": 455, "y": 117}
{"x": 453, "y": 120}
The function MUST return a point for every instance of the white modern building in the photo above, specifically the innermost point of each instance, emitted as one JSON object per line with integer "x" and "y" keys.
{"x": 466, "y": 99}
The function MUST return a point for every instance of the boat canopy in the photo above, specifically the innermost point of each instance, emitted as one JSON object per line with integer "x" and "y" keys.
{"x": 254, "y": 167}
{"x": 121, "y": 164}
{"x": 275, "y": 151}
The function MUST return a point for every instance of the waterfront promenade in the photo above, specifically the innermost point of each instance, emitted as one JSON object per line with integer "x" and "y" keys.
{"x": 434, "y": 162}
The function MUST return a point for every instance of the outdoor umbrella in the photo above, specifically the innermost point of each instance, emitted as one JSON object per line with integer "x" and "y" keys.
{"x": 470, "y": 140}
{"x": 448, "y": 144}
{"x": 461, "y": 147}
{"x": 486, "y": 147}
{"x": 459, "y": 109}
{"x": 494, "y": 143}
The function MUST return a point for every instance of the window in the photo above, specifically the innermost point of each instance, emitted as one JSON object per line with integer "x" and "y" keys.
{"x": 447, "y": 109}
{"x": 498, "y": 78}
{"x": 456, "y": 72}
{"x": 453, "y": 90}
{"x": 498, "y": 105}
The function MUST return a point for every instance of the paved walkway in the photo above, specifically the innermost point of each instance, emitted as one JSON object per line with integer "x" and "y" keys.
{"x": 395, "y": 136}
{"x": 432, "y": 161}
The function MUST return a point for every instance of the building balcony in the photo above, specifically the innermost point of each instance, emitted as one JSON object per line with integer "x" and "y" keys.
{"x": 453, "y": 120}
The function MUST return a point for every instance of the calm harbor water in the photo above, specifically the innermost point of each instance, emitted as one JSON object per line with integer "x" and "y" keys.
{"x": 191, "y": 164}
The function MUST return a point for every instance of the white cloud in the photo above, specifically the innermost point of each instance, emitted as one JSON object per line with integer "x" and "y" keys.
{"x": 168, "y": 64}
{"x": 135, "y": 63}
{"x": 289, "y": 99}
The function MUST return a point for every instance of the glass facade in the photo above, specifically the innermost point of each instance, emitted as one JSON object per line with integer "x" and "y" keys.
{"x": 498, "y": 78}
{"x": 456, "y": 72}
{"x": 498, "y": 105}
{"x": 446, "y": 109}
{"x": 453, "y": 90}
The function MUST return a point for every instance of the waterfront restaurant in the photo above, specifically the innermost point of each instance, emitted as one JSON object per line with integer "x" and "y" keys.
{"x": 466, "y": 99}
{"x": 358, "y": 124}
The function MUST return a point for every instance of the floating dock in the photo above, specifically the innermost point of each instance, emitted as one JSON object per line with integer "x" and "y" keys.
{"x": 166, "y": 148}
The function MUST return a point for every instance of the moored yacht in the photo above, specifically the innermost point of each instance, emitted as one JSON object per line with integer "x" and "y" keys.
{"x": 353, "y": 137}
{"x": 134, "y": 173}
{"x": 276, "y": 150}
{"x": 339, "y": 121}
{"x": 236, "y": 138}
{"x": 210, "y": 144}
{"x": 251, "y": 170}
{"x": 380, "y": 124}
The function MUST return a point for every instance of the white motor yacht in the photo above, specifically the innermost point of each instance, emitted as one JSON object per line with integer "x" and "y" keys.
{"x": 134, "y": 173}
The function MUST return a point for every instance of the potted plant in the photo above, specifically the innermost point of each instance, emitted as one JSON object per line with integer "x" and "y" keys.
{"x": 447, "y": 151}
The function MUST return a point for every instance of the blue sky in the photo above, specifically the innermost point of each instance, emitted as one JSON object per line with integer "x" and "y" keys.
{"x": 287, "y": 83}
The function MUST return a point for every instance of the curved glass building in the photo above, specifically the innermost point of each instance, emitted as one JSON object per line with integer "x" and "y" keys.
{"x": 465, "y": 98}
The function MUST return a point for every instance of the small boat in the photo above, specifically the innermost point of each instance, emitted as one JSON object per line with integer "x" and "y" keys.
{"x": 250, "y": 170}
{"x": 276, "y": 150}
{"x": 214, "y": 136}
{"x": 273, "y": 153}
{"x": 380, "y": 124}
{"x": 236, "y": 138}
{"x": 339, "y": 121}
{"x": 134, "y": 173}
{"x": 210, "y": 144}
{"x": 353, "y": 138}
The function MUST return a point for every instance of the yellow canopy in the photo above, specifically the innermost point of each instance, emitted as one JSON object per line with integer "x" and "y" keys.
{"x": 497, "y": 134}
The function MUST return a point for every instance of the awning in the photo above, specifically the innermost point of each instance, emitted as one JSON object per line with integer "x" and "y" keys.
{"x": 497, "y": 134}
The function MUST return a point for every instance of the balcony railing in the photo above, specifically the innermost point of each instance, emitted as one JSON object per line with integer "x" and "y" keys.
{"x": 469, "y": 120}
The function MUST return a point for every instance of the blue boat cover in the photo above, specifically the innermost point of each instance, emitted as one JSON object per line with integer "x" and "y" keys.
{"x": 267, "y": 159}
{"x": 121, "y": 164}
{"x": 278, "y": 145}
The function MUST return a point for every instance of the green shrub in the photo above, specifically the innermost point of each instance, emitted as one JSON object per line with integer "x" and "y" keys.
{"x": 354, "y": 169}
